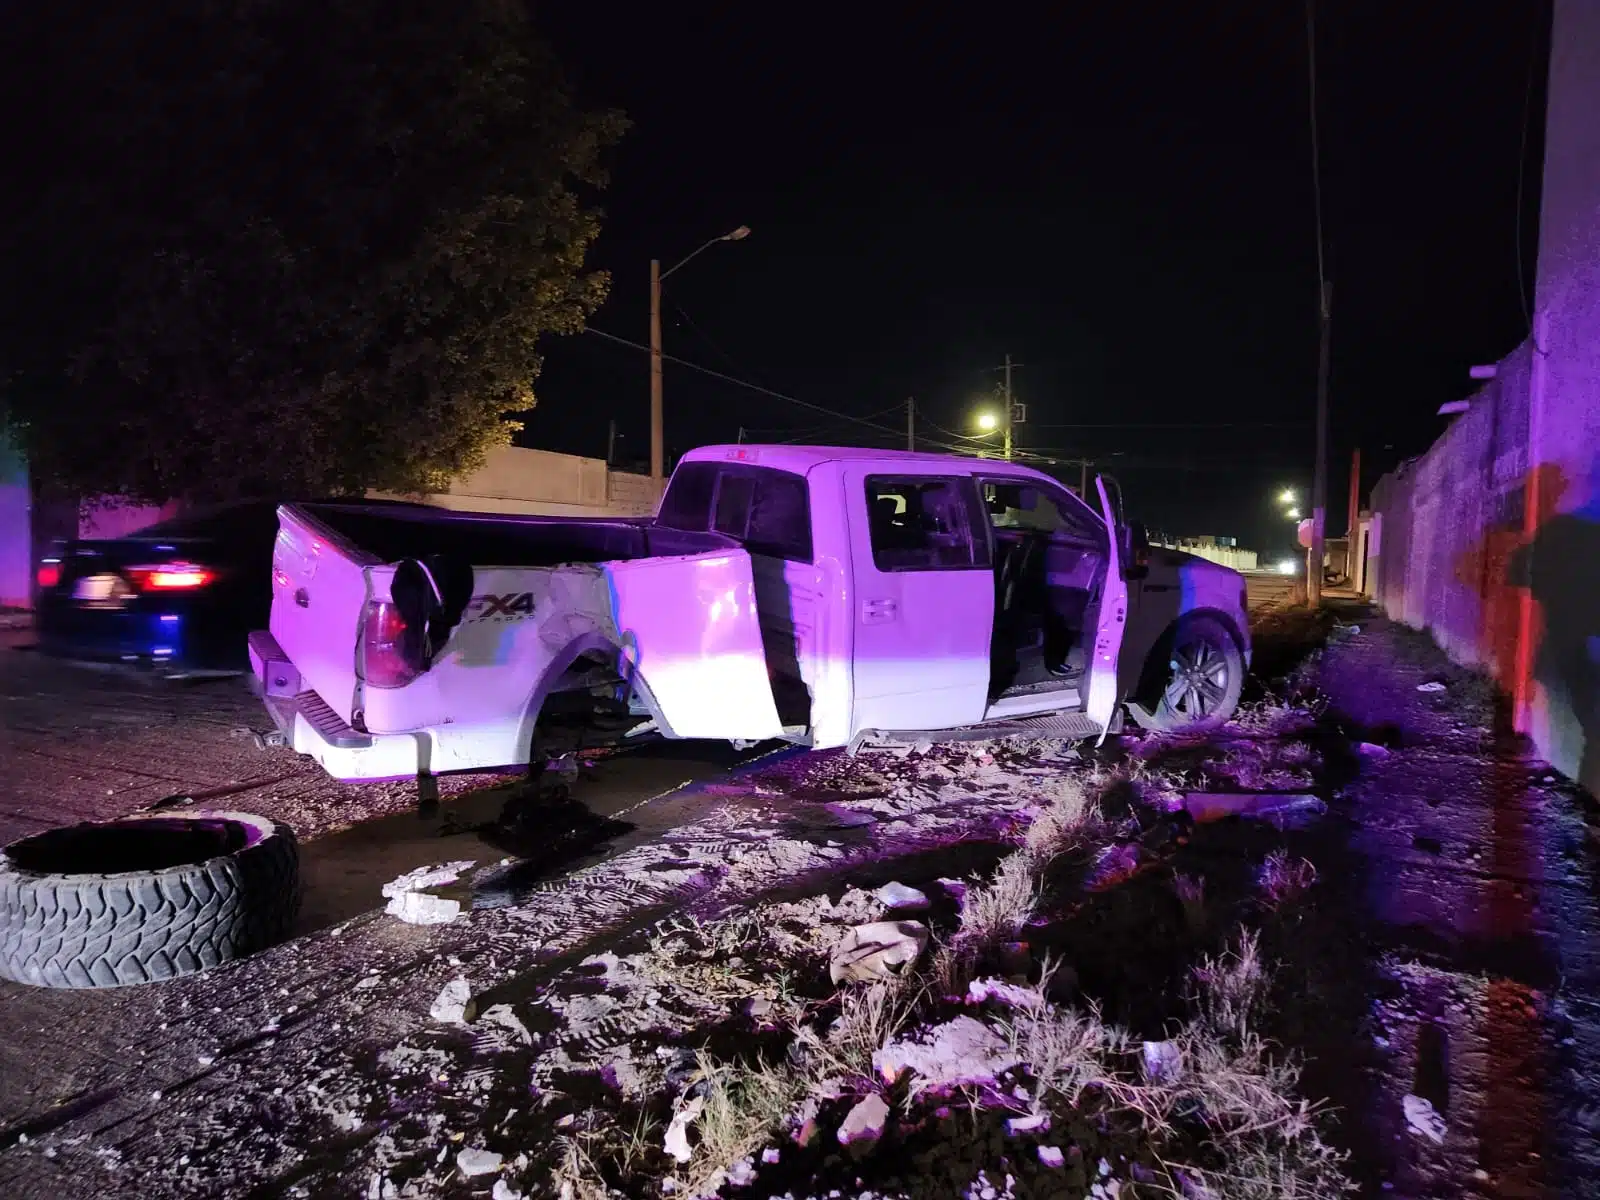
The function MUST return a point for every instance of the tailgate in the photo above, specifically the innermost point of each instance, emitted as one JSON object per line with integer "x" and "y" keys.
{"x": 691, "y": 628}
{"x": 319, "y": 596}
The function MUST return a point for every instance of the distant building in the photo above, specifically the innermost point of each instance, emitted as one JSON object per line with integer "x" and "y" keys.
{"x": 1224, "y": 551}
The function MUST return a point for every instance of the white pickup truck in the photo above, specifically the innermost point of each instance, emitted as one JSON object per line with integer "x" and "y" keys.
{"x": 821, "y": 595}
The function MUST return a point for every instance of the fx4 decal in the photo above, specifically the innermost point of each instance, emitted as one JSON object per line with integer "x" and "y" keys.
{"x": 509, "y": 607}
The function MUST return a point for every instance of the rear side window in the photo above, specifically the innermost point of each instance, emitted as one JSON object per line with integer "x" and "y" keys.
{"x": 920, "y": 523}
{"x": 767, "y": 510}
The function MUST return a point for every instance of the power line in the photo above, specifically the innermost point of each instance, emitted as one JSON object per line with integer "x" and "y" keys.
{"x": 845, "y": 418}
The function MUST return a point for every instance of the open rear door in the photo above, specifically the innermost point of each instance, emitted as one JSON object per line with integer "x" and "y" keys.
{"x": 690, "y": 627}
{"x": 1110, "y": 623}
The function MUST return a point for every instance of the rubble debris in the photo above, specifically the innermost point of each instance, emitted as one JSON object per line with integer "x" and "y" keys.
{"x": 898, "y": 898}
{"x": 1371, "y": 750}
{"x": 676, "y": 1141}
{"x": 451, "y": 1005}
{"x": 419, "y": 908}
{"x": 411, "y": 900}
{"x": 427, "y": 877}
{"x": 1009, "y": 995}
{"x": 878, "y": 950}
{"x": 1051, "y": 1156}
{"x": 503, "y": 1016}
{"x": 1423, "y": 1119}
{"x": 742, "y": 1173}
{"x": 1036, "y": 1122}
{"x": 863, "y": 1124}
{"x": 1434, "y": 686}
{"x": 504, "y": 1191}
{"x": 473, "y": 1161}
{"x": 961, "y": 1051}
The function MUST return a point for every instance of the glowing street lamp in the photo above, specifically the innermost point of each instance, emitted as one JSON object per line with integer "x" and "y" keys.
{"x": 1293, "y": 514}
{"x": 1286, "y": 496}
{"x": 988, "y": 421}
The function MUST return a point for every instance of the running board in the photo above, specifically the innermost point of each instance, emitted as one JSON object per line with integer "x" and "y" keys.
{"x": 1066, "y": 726}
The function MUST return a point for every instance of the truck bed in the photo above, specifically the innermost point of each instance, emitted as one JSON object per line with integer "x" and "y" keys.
{"x": 386, "y": 533}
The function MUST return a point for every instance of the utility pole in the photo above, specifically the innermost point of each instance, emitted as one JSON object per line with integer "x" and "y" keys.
{"x": 911, "y": 423}
{"x": 1319, "y": 476}
{"x": 657, "y": 423}
{"x": 1083, "y": 479}
{"x": 1355, "y": 493}
{"x": 741, "y": 435}
{"x": 1009, "y": 404}
{"x": 611, "y": 442}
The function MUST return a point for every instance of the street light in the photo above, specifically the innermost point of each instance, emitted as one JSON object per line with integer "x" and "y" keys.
{"x": 1286, "y": 496}
{"x": 988, "y": 422}
{"x": 657, "y": 421}
{"x": 1293, "y": 514}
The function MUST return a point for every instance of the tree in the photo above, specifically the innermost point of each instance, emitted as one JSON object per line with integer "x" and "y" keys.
{"x": 265, "y": 247}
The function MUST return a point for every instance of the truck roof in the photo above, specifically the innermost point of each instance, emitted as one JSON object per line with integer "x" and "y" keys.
{"x": 801, "y": 459}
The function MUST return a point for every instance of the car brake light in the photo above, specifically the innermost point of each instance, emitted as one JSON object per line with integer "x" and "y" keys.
{"x": 171, "y": 577}
{"x": 49, "y": 573}
{"x": 390, "y": 648}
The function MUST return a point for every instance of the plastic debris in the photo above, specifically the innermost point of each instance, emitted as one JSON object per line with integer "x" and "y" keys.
{"x": 1162, "y": 1061}
{"x": 676, "y": 1142}
{"x": 1051, "y": 1156}
{"x": 1432, "y": 687}
{"x": 1423, "y": 1119}
{"x": 878, "y": 950}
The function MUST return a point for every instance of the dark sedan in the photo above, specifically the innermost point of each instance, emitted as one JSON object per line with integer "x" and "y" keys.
{"x": 180, "y": 596}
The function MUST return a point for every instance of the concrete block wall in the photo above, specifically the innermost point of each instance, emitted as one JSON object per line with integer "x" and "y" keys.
{"x": 1491, "y": 540}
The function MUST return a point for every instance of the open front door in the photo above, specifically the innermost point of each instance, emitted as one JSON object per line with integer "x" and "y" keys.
{"x": 1110, "y": 623}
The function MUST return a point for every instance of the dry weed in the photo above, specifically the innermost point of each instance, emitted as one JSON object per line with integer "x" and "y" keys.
{"x": 1284, "y": 878}
{"x": 1229, "y": 988}
{"x": 999, "y": 909}
{"x": 744, "y": 1106}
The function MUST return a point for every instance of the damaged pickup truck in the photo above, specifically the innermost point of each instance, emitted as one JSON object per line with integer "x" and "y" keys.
{"x": 825, "y": 596}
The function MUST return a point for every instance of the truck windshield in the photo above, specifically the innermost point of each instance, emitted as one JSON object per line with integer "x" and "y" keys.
{"x": 767, "y": 510}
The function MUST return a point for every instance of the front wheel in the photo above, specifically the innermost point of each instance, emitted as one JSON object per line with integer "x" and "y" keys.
{"x": 1201, "y": 680}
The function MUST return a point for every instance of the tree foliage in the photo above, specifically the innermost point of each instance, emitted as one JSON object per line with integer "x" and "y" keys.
{"x": 257, "y": 247}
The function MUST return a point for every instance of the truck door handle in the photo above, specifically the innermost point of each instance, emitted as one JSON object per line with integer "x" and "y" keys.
{"x": 878, "y": 610}
{"x": 302, "y": 597}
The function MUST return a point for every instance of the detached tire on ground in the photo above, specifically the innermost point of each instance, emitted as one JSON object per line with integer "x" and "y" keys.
{"x": 144, "y": 899}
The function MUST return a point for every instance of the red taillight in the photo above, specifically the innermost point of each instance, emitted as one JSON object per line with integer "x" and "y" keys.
{"x": 171, "y": 577}
{"x": 49, "y": 573}
{"x": 389, "y": 657}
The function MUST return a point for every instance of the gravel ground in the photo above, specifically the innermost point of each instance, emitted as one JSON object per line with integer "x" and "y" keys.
{"x": 1446, "y": 955}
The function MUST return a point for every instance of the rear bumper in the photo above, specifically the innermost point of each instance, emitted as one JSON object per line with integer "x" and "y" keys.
{"x": 314, "y": 729}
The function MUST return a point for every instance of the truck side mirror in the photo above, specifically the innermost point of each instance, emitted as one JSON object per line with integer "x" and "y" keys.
{"x": 1136, "y": 550}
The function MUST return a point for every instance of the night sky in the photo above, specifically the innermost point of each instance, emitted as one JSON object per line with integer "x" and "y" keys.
{"x": 1120, "y": 197}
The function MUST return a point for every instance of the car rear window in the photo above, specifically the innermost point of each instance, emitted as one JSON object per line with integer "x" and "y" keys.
{"x": 768, "y": 511}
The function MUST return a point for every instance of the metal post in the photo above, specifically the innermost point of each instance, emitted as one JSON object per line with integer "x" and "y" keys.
{"x": 1319, "y": 476}
{"x": 611, "y": 442}
{"x": 911, "y": 423}
{"x": 657, "y": 423}
{"x": 1083, "y": 479}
